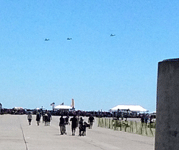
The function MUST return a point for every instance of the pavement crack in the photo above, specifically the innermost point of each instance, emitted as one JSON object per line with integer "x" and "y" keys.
{"x": 23, "y": 137}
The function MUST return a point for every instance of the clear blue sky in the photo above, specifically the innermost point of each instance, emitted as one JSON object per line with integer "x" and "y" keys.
{"x": 97, "y": 70}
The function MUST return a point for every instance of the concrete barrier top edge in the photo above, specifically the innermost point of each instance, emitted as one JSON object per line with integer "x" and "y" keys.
{"x": 171, "y": 60}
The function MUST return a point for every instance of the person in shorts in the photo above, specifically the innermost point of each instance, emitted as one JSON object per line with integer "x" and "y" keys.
{"x": 29, "y": 117}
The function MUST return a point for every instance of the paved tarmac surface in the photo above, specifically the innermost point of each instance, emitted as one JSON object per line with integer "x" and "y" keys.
{"x": 16, "y": 134}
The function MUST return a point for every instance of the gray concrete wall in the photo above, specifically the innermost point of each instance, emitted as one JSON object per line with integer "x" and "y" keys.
{"x": 167, "y": 127}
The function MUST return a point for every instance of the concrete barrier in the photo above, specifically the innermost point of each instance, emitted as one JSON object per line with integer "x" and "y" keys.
{"x": 167, "y": 123}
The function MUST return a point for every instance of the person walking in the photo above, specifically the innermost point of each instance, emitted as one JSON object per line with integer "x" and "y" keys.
{"x": 90, "y": 120}
{"x": 62, "y": 125}
{"x": 80, "y": 126}
{"x": 29, "y": 117}
{"x": 45, "y": 118}
{"x": 49, "y": 118}
{"x": 38, "y": 118}
{"x": 73, "y": 124}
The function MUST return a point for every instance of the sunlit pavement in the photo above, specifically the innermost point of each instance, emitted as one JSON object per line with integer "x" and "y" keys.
{"x": 16, "y": 134}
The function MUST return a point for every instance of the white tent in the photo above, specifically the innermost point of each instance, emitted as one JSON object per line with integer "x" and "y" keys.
{"x": 136, "y": 108}
{"x": 62, "y": 107}
{"x": 18, "y": 108}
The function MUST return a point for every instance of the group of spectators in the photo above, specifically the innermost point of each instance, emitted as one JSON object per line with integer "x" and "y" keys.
{"x": 146, "y": 118}
{"x": 75, "y": 122}
{"x": 46, "y": 118}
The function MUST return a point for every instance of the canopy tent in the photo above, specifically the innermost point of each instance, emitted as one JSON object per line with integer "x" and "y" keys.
{"x": 136, "y": 108}
{"x": 62, "y": 107}
{"x": 18, "y": 108}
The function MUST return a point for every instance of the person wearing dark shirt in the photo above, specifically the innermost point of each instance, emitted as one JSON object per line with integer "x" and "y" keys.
{"x": 49, "y": 118}
{"x": 142, "y": 118}
{"x": 67, "y": 120}
{"x": 90, "y": 120}
{"x": 45, "y": 119}
{"x": 62, "y": 125}
{"x": 73, "y": 124}
{"x": 29, "y": 117}
{"x": 80, "y": 126}
{"x": 38, "y": 116}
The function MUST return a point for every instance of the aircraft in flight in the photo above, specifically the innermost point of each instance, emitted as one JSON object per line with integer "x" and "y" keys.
{"x": 112, "y": 35}
{"x": 47, "y": 39}
{"x": 69, "y": 38}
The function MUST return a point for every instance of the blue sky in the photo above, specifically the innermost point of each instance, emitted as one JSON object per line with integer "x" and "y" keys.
{"x": 97, "y": 70}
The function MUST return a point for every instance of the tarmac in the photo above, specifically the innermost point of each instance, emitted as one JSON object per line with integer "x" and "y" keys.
{"x": 17, "y": 134}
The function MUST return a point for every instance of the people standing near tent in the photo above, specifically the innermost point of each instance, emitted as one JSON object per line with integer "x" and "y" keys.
{"x": 90, "y": 120}
{"x": 118, "y": 114}
{"x": 73, "y": 124}
{"x": 62, "y": 125}
{"x": 38, "y": 116}
{"x": 29, "y": 117}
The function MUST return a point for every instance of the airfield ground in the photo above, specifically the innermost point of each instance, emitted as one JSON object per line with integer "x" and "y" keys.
{"x": 16, "y": 134}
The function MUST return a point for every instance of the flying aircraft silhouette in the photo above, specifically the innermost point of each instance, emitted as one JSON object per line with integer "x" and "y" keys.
{"x": 69, "y": 38}
{"x": 112, "y": 35}
{"x": 47, "y": 39}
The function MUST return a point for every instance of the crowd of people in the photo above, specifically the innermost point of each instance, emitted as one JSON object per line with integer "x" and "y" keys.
{"x": 75, "y": 122}
{"x": 46, "y": 118}
{"x": 146, "y": 118}
{"x": 63, "y": 121}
